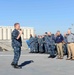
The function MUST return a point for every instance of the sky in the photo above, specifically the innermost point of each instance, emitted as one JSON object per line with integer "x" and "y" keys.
{"x": 43, "y": 15}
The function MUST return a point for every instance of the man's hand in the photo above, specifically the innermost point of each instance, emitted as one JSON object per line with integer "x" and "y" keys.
{"x": 20, "y": 33}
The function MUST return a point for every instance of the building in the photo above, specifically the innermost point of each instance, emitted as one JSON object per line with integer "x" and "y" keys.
{"x": 5, "y": 32}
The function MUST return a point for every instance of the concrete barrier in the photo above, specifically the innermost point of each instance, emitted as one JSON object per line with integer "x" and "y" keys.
{"x": 6, "y": 45}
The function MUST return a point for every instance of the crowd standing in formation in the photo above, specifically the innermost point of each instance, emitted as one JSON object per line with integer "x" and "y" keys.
{"x": 55, "y": 45}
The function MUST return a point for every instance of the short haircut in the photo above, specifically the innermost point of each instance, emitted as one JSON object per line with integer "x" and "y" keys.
{"x": 16, "y": 24}
{"x": 46, "y": 33}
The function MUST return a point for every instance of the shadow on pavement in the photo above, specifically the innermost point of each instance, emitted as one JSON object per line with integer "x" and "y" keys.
{"x": 26, "y": 63}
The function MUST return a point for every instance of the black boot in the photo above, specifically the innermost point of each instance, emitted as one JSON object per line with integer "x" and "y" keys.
{"x": 53, "y": 56}
{"x": 17, "y": 66}
{"x": 12, "y": 64}
{"x": 49, "y": 56}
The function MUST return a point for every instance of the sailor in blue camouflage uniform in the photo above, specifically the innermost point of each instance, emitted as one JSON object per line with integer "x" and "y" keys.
{"x": 45, "y": 39}
{"x": 32, "y": 44}
{"x": 51, "y": 45}
{"x": 36, "y": 44}
{"x": 65, "y": 45}
{"x": 40, "y": 42}
{"x": 16, "y": 44}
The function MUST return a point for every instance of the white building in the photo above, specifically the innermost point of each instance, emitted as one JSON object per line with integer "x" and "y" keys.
{"x": 5, "y": 32}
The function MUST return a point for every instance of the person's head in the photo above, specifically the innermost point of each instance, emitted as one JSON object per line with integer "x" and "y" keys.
{"x": 40, "y": 36}
{"x": 17, "y": 26}
{"x": 46, "y": 33}
{"x": 31, "y": 35}
{"x": 35, "y": 35}
{"x": 49, "y": 33}
{"x": 58, "y": 33}
{"x": 69, "y": 31}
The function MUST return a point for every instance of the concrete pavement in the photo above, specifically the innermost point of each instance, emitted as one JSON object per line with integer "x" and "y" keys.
{"x": 41, "y": 65}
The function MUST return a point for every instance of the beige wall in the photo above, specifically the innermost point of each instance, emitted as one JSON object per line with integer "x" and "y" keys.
{"x": 1, "y": 33}
{"x": 5, "y": 32}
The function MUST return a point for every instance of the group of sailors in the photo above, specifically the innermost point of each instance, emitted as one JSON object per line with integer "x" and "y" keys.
{"x": 55, "y": 45}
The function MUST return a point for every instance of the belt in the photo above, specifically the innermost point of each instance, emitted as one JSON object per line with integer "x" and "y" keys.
{"x": 59, "y": 42}
{"x": 70, "y": 42}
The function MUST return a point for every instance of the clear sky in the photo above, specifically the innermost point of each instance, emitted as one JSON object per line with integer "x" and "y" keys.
{"x": 43, "y": 15}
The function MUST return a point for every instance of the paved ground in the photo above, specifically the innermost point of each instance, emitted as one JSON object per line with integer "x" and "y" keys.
{"x": 41, "y": 65}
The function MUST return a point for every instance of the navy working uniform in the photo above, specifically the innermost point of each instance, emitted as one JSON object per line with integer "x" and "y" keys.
{"x": 16, "y": 44}
{"x": 46, "y": 43}
{"x": 36, "y": 44}
{"x": 32, "y": 44}
{"x": 40, "y": 42}
{"x": 65, "y": 46}
{"x": 51, "y": 46}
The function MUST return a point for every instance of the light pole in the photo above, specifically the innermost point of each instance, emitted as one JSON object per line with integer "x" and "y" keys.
{"x": 72, "y": 25}
{"x": 72, "y": 28}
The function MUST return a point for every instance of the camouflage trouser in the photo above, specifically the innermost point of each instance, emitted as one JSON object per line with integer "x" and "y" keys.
{"x": 41, "y": 48}
{"x": 49, "y": 49}
{"x": 32, "y": 47}
{"x": 36, "y": 47}
{"x": 46, "y": 48}
{"x": 17, "y": 53}
{"x": 65, "y": 49}
{"x": 52, "y": 50}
